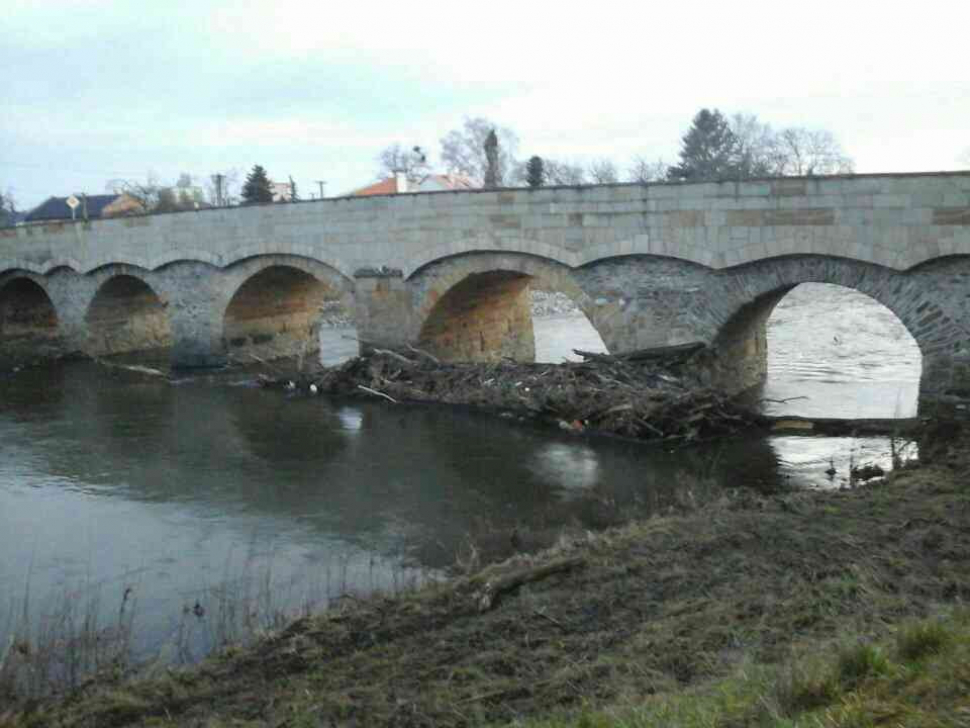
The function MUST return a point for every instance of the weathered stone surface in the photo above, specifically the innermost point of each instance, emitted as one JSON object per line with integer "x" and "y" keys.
{"x": 649, "y": 265}
{"x": 951, "y": 216}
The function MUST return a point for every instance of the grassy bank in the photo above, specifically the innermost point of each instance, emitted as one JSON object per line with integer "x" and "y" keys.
{"x": 920, "y": 676}
{"x": 820, "y": 608}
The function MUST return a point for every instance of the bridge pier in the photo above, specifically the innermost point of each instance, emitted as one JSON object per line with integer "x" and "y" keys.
{"x": 382, "y": 308}
{"x": 195, "y": 298}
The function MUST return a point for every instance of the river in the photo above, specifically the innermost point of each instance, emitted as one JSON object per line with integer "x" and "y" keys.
{"x": 209, "y": 505}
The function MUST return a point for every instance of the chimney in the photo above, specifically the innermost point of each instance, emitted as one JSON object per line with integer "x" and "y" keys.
{"x": 402, "y": 181}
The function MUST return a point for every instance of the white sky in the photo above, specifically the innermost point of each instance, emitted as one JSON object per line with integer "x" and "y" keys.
{"x": 100, "y": 90}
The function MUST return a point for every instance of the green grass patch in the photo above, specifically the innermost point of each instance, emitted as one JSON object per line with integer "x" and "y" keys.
{"x": 919, "y": 680}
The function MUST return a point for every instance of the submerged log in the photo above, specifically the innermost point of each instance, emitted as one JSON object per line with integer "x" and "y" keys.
{"x": 657, "y": 352}
{"x": 836, "y": 426}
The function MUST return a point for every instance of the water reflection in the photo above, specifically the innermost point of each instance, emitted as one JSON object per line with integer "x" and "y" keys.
{"x": 118, "y": 480}
{"x": 181, "y": 486}
{"x": 575, "y": 469}
{"x": 830, "y": 462}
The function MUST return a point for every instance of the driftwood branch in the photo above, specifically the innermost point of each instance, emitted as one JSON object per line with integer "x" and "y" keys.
{"x": 423, "y": 353}
{"x": 494, "y": 588}
{"x": 395, "y": 355}
{"x": 376, "y": 393}
{"x": 138, "y": 369}
{"x": 657, "y": 352}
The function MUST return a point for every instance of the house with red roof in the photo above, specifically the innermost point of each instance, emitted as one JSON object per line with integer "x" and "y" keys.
{"x": 400, "y": 184}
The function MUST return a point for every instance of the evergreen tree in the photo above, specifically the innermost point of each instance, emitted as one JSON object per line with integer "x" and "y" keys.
{"x": 535, "y": 173}
{"x": 257, "y": 188}
{"x": 709, "y": 150}
{"x": 491, "y": 156}
{"x": 294, "y": 195}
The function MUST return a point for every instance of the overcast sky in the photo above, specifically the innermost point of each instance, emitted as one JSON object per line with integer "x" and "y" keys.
{"x": 98, "y": 90}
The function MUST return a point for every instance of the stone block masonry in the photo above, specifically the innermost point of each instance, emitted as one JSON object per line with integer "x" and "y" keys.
{"x": 648, "y": 264}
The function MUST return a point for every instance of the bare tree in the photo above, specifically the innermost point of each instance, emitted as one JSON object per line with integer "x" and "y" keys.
{"x": 154, "y": 196}
{"x": 810, "y": 151}
{"x": 758, "y": 151}
{"x": 8, "y": 209}
{"x": 564, "y": 173}
{"x": 395, "y": 158}
{"x": 463, "y": 151}
{"x": 145, "y": 193}
{"x": 795, "y": 151}
{"x": 222, "y": 188}
{"x": 603, "y": 172}
{"x": 643, "y": 171}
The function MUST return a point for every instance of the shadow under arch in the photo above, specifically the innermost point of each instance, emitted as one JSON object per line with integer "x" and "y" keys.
{"x": 29, "y": 325}
{"x": 477, "y": 306}
{"x": 126, "y": 316}
{"x": 835, "y": 300}
{"x": 277, "y": 304}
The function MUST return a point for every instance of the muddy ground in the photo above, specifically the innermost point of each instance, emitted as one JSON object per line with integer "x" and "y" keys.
{"x": 660, "y": 606}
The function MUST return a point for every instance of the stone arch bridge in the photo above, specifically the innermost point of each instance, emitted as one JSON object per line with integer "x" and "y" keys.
{"x": 650, "y": 265}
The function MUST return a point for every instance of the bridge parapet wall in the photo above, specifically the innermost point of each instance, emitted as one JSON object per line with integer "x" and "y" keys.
{"x": 896, "y": 221}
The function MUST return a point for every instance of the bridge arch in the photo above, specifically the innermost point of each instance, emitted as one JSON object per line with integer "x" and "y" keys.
{"x": 274, "y": 304}
{"x": 126, "y": 315}
{"x": 47, "y": 267}
{"x": 316, "y": 257}
{"x": 489, "y": 244}
{"x": 754, "y": 290}
{"x": 29, "y": 324}
{"x": 477, "y": 306}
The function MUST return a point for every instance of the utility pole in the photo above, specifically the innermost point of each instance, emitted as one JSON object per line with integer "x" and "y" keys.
{"x": 322, "y": 183}
{"x": 217, "y": 179}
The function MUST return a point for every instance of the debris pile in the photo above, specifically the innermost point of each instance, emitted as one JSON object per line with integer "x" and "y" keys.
{"x": 652, "y": 394}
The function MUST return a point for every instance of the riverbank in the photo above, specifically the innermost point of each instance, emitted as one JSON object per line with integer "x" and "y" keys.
{"x": 655, "y": 616}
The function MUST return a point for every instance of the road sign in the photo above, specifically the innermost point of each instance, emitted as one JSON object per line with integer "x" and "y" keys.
{"x": 73, "y": 202}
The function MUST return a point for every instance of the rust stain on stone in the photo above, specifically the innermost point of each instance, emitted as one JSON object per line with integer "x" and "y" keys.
{"x": 506, "y": 198}
{"x": 686, "y": 218}
{"x": 761, "y": 218}
{"x": 811, "y": 216}
{"x": 789, "y": 187}
{"x": 137, "y": 221}
{"x": 8, "y": 233}
{"x": 575, "y": 219}
{"x": 505, "y": 221}
{"x": 745, "y": 218}
{"x": 951, "y": 216}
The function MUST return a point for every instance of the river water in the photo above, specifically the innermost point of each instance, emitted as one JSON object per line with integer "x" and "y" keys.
{"x": 209, "y": 501}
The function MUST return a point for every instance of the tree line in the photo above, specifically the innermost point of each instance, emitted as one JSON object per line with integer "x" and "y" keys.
{"x": 715, "y": 147}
